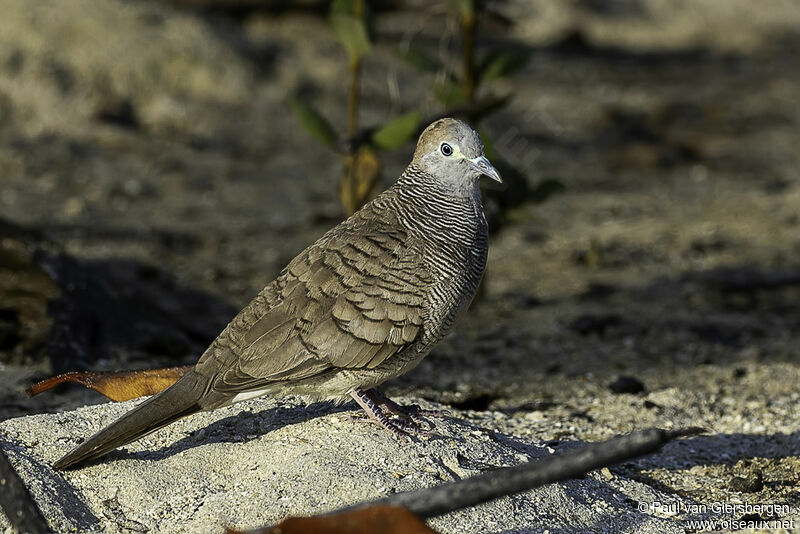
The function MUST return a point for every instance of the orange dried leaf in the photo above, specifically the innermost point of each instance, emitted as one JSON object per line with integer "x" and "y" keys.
{"x": 383, "y": 519}
{"x": 117, "y": 385}
{"x": 360, "y": 179}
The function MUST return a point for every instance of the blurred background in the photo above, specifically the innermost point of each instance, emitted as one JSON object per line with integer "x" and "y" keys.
{"x": 160, "y": 161}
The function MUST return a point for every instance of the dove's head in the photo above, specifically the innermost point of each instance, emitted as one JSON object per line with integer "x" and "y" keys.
{"x": 452, "y": 152}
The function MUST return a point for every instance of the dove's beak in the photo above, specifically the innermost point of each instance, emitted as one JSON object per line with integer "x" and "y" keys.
{"x": 483, "y": 166}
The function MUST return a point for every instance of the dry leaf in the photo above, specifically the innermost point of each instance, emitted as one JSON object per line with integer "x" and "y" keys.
{"x": 117, "y": 385}
{"x": 360, "y": 179}
{"x": 372, "y": 520}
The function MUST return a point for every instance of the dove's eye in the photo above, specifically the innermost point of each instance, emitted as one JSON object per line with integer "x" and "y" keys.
{"x": 447, "y": 150}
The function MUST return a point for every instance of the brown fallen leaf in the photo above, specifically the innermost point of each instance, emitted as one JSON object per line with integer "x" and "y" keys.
{"x": 383, "y": 519}
{"x": 117, "y": 385}
{"x": 360, "y": 179}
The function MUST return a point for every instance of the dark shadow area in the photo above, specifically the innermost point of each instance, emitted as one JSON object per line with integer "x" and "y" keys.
{"x": 244, "y": 426}
{"x": 60, "y": 492}
{"x": 727, "y": 449}
{"x": 118, "y": 305}
{"x": 93, "y": 315}
{"x": 79, "y": 311}
{"x": 248, "y": 425}
{"x": 712, "y": 314}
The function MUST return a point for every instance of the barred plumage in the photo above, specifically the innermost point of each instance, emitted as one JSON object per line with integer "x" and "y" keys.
{"x": 363, "y": 304}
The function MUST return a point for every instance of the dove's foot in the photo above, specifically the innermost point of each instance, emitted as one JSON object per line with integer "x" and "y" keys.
{"x": 410, "y": 419}
{"x": 410, "y": 412}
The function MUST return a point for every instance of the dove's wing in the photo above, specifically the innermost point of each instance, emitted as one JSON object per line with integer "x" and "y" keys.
{"x": 350, "y": 301}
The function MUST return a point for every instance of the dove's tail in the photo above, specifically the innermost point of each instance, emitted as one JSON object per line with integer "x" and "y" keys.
{"x": 179, "y": 400}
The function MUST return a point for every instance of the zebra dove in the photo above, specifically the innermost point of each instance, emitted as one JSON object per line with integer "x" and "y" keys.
{"x": 363, "y": 304}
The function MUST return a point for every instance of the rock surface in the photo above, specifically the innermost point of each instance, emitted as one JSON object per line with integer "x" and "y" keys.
{"x": 258, "y": 462}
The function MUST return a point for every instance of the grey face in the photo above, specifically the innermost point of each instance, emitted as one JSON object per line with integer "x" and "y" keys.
{"x": 450, "y": 150}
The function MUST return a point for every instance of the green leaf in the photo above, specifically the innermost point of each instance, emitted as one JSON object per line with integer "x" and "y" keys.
{"x": 350, "y": 28}
{"x": 315, "y": 124}
{"x": 352, "y": 34}
{"x": 501, "y": 63}
{"x": 420, "y": 59}
{"x": 397, "y": 131}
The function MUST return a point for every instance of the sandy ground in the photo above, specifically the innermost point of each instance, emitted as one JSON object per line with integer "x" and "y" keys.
{"x": 160, "y": 139}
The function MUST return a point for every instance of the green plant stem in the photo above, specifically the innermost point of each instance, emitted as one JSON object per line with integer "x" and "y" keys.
{"x": 355, "y": 82}
{"x": 352, "y": 127}
{"x": 353, "y": 99}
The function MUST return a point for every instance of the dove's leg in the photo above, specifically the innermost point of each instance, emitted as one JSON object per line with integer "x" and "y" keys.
{"x": 410, "y": 418}
{"x": 412, "y": 411}
{"x": 400, "y": 428}
{"x": 376, "y": 414}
